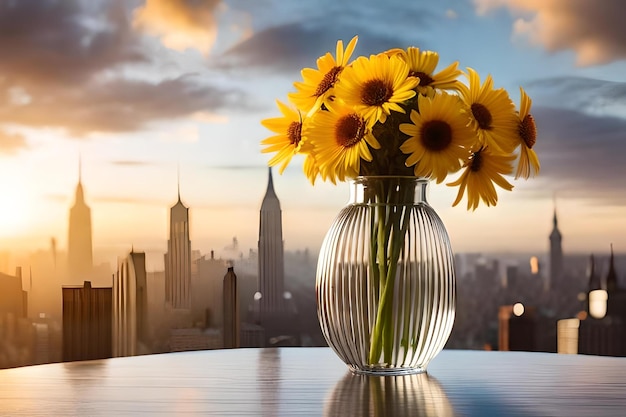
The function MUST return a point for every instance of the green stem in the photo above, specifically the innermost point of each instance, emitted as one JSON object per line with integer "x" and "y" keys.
{"x": 392, "y": 223}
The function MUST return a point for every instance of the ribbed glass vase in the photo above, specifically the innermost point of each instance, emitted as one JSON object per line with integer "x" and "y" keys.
{"x": 385, "y": 278}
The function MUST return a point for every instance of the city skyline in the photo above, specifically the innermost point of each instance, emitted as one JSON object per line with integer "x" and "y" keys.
{"x": 134, "y": 103}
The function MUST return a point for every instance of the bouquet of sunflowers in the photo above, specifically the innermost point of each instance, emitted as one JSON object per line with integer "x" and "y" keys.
{"x": 393, "y": 114}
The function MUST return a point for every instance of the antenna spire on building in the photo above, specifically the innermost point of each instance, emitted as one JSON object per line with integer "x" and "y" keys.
{"x": 611, "y": 277}
{"x": 178, "y": 180}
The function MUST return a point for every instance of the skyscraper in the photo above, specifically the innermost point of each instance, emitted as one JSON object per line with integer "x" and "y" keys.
{"x": 79, "y": 244}
{"x": 130, "y": 301}
{"x": 87, "y": 322}
{"x": 275, "y": 310}
{"x": 232, "y": 324}
{"x": 178, "y": 258}
{"x": 556, "y": 253}
{"x": 271, "y": 253}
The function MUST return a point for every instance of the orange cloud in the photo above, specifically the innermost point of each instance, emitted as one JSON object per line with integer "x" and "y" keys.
{"x": 180, "y": 24}
{"x": 593, "y": 30}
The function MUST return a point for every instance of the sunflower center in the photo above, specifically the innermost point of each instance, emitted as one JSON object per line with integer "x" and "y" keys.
{"x": 425, "y": 79}
{"x": 376, "y": 92}
{"x": 436, "y": 135}
{"x": 349, "y": 130}
{"x": 477, "y": 161}
{"x": 294, "y": 133}
{"x": 482, "y": 116}
{"x": 528, "y": 131}
{"x": 328, "y": 81}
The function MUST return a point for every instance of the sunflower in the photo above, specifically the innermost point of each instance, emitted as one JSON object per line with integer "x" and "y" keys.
{"x": 492, "y": 113}
{"x": 482, "y": 170}
{"x": 317, "y": 84}
{"x": 422, "y": 65}
{"x": 527, "y": 132}
{"x": 439, "y": 136}
{"x": 376, "y": 85}
{"x": 310, "y": 167}
{"x": 341, "y": 138}
{"x": 288, "y": 140}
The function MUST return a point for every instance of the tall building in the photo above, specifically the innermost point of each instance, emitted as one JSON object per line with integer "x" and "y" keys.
{"x": 271, "y": 279}
{"x": 232, "y": 323}
{"x": 603, "y": 329}
{"x": 178, "y": 258}
{"x": 79, "y": 244}
{"x": 556, "y": 254}
{"x": 130, "y": 302}
{"x": 274, "y": 308}
{"x": 87, "y": 322}
{"x": 17, "y": 338}
{"x": 13, "y": 299}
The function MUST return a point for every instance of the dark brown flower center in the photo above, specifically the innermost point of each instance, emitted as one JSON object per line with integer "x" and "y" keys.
{"x": 425, "y": 79}
{"x": 328, "y": 81}
{"x": 482, "y": 116}
{"x": 528, "y": 131}
{"x": 436, "y": 135}
{"x": 294, "y": 133}
{"x": 376, "y": 92}
{"x": 476, "y": 162}
{"x": 349, "y": 130}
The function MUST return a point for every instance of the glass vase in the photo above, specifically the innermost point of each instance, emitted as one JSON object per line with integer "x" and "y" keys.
{"x": 385, "y": 280}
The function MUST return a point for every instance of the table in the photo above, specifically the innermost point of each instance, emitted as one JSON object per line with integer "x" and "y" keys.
{"x": 314, "y": 382}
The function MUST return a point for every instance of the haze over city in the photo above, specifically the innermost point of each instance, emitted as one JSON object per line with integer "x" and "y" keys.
{"x": 155, "y": 97}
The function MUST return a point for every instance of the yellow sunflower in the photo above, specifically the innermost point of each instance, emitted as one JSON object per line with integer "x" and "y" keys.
{"x": 527, "y": 132}
{"x": 439, "y": 136}
{"x": 376, "y": 85}
{"x": 286, "y": 143}
{"x": 492, "y": 113}
{"x": 422, "y": 65}
{"x": 482, "y": 170}
{"x": 316, "y": 86}
{"x": 341, "y": 138}
{"x": 310, "y": 167}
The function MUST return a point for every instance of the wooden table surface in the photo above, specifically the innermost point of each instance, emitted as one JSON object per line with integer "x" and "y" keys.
{"x": 314, "y": 382}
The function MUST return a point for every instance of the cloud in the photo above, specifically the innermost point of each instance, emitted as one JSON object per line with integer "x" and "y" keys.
{"x": 11, "y": 142}
{"x": 595, "y": 31}
{"x": 67, "y": 64}
{"x": 292, "y": 46}
{"x": 581, "y": 155}
{"x": 239, "y": 168}
{"x": 118, "y": 105}
{"x": 47, "y": 42}
{"x": 180, "y": 24}
{"x": 588, "y": 95}
{"x": 130, "y": 163}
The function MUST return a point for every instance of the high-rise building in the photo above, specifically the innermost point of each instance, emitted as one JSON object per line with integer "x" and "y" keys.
{"x": 274, "y": 308}
{"x": 516, "y": 328}
{"x": 271, "y": 279}
{"x": 130, "y": 301}
{"x": 79, "y": 244}
{"x": 13, "y": 299}
{"x": 17, "y": 338}
{"x": 178, "y": 259}
{"x": 87, "y": 322}
{"x": 556, "y": 253}
{"x": 232, "y": 323}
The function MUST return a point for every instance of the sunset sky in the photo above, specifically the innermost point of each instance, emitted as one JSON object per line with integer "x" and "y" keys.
{"x": 139, "y": 90}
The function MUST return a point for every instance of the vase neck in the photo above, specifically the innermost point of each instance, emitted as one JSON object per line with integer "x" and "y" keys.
{"x": 388, "y": 190}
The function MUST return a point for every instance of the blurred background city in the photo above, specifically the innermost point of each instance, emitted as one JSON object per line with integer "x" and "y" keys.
{"x": 137, "y": 214}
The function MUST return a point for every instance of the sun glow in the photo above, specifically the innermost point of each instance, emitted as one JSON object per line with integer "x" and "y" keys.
{"x": 15, "y": 209}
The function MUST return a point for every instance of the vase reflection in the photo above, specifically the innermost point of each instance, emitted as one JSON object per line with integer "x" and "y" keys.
{"x": 398, "y": 396}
